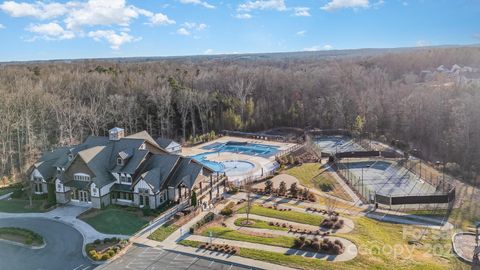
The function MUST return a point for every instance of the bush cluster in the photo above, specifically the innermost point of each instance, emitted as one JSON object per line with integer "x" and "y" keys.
{"x": 332, "y": 222}
{"x": 220, "y": 248}
{"x": 206, "y": 219}
{"x": 322, "y": 211}
{"x": 111, "y": 247}
{"x": 228, "y": 209}
{"x": 325, "y": 246}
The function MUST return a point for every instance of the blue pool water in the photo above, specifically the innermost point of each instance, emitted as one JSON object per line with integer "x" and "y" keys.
{"x": 237, "y": 166}
{"x": 252, "y": 149}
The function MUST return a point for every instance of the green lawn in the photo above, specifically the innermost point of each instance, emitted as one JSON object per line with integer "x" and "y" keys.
{"x": 162, "y": 233}
{"x": 376, "y": 241}
{"x": 293, "y": 216}
{"x": 313, "y": 175}
{"x": 21, "y": 206}
{"x": 259, "y": 224}
{"x": 115, "y": 221}
{"x": 21, "y": 235}
{"x": 225, "y": 233}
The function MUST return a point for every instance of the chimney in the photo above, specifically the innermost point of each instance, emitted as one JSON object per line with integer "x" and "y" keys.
{"x": 116, "y": 134}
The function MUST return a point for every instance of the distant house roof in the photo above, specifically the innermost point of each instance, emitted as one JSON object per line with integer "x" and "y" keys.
{"x": 164, "y": 142}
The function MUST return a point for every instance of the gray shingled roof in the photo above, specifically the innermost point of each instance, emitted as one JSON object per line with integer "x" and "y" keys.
{"x": 47, "y": 163}
{"x": 158, "y": 168}
{"x": 164, "y": 143}
{"x": 186, "y": 171}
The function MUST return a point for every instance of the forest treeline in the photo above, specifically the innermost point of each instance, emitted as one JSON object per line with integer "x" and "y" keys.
{"x": 50, "y": 104}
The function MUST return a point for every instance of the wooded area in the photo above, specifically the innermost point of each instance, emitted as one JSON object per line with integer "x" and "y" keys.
{"x": 43, "y": 105}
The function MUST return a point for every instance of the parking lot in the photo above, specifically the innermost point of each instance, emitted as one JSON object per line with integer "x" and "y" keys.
{"x": 140, "y": 257}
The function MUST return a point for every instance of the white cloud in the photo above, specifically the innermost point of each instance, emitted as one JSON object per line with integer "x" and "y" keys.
{"x": 263, "y": 4}
{"x": 208, "y": 51}
{"x": 195, "y": 26}
{"x": 160, "y": 19}
{"x": 318, "y": 48}
{"x": 340, "y": 4}
{"x": 72, "y": 17}
{"x": 302, "y": 11}
{"x": 422, "y": 43}
{"x": 50, "y": 31}
{"x": 301, "y": 33}
{"x": 184, "y": 32}
{"x": 115, "y": 40}
{"x": 2, "y": 26}
{"x": 244, "y": 16}
{"x": 197, "y": 2}
{"x": 37, "y": 10}
{"x": 102, "y": 12}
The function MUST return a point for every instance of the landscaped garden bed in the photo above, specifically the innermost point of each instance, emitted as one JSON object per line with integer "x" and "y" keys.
{"x": 260, "y": 224}
{"x": 21, "y": 236}
{"x": 316, "y": 245}
{"x": 293, "y": 216}
{"x": 219, "y": 248}
{"x": 181, "y": 218}
{"x": 102, "y": 250}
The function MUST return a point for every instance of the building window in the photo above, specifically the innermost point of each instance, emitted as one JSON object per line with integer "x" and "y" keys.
{"x": 59, "y": 187}
{"x": 129, "y": 178}
{"x": 119, "y": 161}
{"x": 81, "y": 177}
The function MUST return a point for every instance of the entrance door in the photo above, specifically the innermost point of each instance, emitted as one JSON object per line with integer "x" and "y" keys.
{"x": 83, "y": 196}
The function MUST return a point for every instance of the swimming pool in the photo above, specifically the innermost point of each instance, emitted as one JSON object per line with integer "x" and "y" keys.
{"x": 230, "y": 167}
{"x": 252, "y": 149}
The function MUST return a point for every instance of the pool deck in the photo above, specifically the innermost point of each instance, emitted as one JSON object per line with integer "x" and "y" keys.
{"x": 198, "y": 149}
{"x": 261, "y": 163}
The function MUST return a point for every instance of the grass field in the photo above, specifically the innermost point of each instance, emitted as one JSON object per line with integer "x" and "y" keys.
{"x": 114, "y": 220}
{"x": 382, "y": 246}
{"x": 313, "y": 175}
{"x": 21, "y": 206}
{"x": 225, "y": 233}
{"x": 285, "y": 215}
{"x": 163, "y": 232}
{"x": 259, "y": 224}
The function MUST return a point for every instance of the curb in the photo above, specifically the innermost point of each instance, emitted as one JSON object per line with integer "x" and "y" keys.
{"x": 23, "y": 245}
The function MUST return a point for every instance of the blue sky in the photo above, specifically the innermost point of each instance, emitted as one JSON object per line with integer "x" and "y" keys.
{"x": 55, "y": 29}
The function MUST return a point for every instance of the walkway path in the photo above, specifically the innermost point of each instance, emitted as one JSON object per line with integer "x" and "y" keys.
{"x": 350, "y": 252}
{"x": 171, "y": 244}
{"x": 6, "y": 196}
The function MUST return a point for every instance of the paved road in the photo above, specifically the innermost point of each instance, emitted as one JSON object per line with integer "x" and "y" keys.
{"x": 63, "y": 250}
{"x": 141, "y": 257}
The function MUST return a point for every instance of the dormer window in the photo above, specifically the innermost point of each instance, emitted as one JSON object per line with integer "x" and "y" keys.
{"x": 70, "y": 156}
{"x": 120, "y": 161}
{"x": 81, "y": 177}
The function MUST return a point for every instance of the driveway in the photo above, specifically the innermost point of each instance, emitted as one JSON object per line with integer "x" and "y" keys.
{"x": 63, "y": 250}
